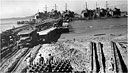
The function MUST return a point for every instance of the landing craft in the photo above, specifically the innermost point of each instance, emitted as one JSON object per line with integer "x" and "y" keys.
{"x": 27, "y": 38}
{"x": 45, "y": 35}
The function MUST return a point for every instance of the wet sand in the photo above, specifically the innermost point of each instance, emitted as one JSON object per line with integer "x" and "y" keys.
{"x": 75, "y": 45}
{"x": 101, "y": 30}
{"x": 89, "y": 28}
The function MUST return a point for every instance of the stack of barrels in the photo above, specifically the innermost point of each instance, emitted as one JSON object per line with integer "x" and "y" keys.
{"x": 59, "y": 66}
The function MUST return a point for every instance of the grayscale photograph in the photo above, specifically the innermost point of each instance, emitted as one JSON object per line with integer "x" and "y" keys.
{"x": 63, "y": 36}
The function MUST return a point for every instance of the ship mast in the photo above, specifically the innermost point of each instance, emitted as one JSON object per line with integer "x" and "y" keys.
{"x": 65, "y": 6}
{"x": 96, "y": 5}
{"x": 55, "y": 7}
{"x": 106, "y": 4}
{"x": 86, "y": 6}
{"x": 46, "y": 8}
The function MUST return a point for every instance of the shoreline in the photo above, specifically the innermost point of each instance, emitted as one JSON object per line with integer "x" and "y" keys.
{"x": 73, "y": 20}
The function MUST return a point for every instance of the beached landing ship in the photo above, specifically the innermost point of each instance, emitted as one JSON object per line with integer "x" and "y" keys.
{"x": 27, "y": 38}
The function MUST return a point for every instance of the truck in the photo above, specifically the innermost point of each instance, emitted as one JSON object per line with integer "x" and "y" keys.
{"x": 63, "y": 24}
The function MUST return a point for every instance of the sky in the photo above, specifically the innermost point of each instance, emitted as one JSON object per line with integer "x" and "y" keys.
{"x": 22, "y": 8}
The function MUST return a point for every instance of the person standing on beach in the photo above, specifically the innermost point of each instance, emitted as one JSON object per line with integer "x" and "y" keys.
{"x": 41, "y": 59}
{"x": 28, "y": 60}
{"x": 50, "y": 61}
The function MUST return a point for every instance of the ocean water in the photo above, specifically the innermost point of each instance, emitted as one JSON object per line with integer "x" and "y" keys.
{"x": 6, "y": 24}
{"x": 98, "y": 24}
{"x": 80, "y": 25}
